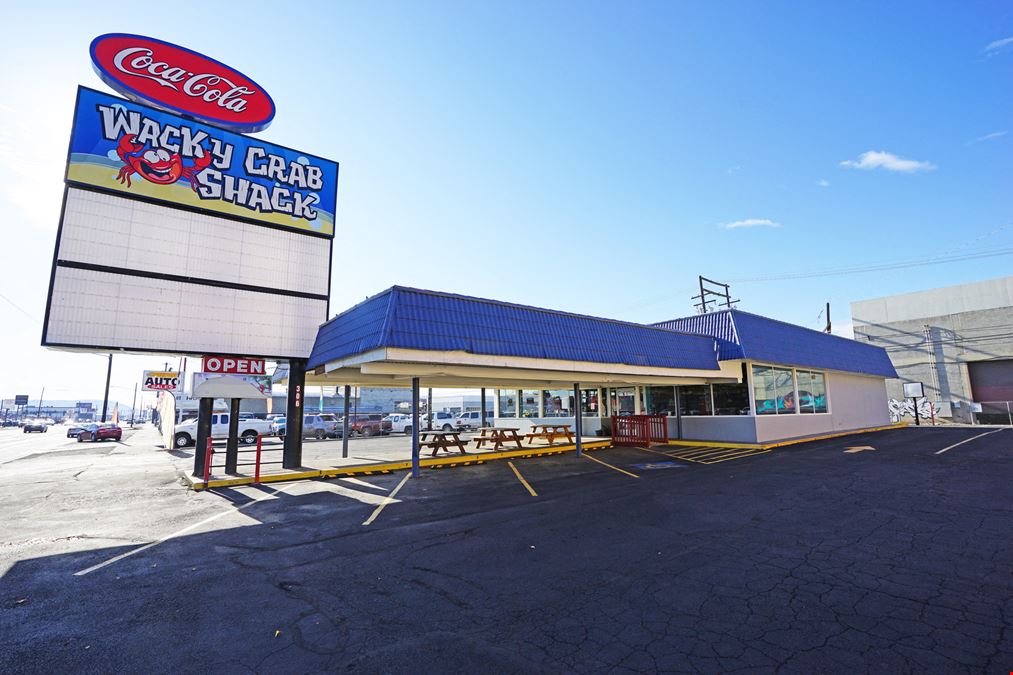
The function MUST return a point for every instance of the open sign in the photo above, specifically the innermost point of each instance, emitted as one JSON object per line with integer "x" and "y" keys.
{"x": 231, "y": 365}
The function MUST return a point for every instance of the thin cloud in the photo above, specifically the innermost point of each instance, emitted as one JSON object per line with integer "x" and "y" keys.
{"x": 997, "y": 46}
{"x": 988, "y": 137}
{"x": 750, "y": 222}
{"x": 823, "y": 182}
{"x": 880, "y": 159}
{"x": 734, "y": 169}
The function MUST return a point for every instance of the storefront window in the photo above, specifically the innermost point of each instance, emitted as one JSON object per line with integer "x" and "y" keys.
{"x": 812, "y": 392}
{"x": 731, "y": 399}
{"x": 622, "y": 401}
{"x": 660, "y": 400}
{"x": 507, "y": 403}
{"x": 529, "y": 403}
{"x": 695, "y": 400}
{"x": 558, "y": 403}
{"x": 773, "y": 390}
{"x": 589, "y": 402}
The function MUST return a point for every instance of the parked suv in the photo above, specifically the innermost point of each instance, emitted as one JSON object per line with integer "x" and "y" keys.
{"x": 442, "y": 421}
{"x": 333, "y": 425}
{"x": 368, "y": 425}
{"x": 470, "y": 420}
{"x": 312, "y": 427}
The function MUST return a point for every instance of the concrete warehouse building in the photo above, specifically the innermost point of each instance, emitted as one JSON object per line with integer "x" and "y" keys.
{"x": 957, "y": 341}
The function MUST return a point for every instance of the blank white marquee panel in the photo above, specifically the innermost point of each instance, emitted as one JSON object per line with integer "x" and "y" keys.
{"x": 100, "y": 309}
{"x": 126, "y": 233}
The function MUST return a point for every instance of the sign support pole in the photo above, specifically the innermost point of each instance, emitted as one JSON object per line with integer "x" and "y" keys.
{"x": 415, "y": 427}
{"x": 105, "y": 399}
{"x": 292, "y": 455}
{"x": 482, "y": 416}
{"x": 918, "y": 421}
{"x": 232, "y": 444}
{"x": 204, "y": 410}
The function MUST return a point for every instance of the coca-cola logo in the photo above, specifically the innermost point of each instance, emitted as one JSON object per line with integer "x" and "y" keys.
{"x": 179, "y": 80}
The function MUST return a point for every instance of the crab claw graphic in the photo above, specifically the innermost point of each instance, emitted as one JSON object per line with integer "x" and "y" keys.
{"x": 199, "y": 164}
{"x": 127, "y": 146}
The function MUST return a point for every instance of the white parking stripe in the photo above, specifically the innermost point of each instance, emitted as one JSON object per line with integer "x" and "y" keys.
{"x": 388, "y": 499}
{"x": 233, "y": 509}
{"x": 950, "y": 447}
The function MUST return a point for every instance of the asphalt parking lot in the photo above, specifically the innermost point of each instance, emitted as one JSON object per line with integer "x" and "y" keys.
{"x": 886, "y": 552}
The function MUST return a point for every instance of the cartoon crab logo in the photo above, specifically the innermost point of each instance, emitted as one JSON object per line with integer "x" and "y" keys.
{"x": 157, "y": 165}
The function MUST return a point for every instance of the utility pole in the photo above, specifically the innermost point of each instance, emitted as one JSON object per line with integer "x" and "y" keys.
{"x": 708, "y": 290}
{"x": 38, "y": 412}
{"x": 105, "y": 399}
{"x": 133, "y": 405}
{"x": 827, "y": 330}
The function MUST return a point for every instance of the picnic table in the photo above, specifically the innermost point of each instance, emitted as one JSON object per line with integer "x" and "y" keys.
{"x": 549, "y": 432}
{"x": 441, "y": 440}
{"x": 498, "y": 436}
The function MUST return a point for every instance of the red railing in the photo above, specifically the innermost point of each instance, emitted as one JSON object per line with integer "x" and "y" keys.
{"x": 639, "y": 429}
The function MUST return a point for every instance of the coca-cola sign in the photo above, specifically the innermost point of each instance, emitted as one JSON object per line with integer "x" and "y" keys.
{"x": 176, "y": 79}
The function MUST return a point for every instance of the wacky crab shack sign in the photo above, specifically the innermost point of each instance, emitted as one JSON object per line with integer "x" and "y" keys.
{"x": 180, "y": 80}
{"x": 126, "y": 147}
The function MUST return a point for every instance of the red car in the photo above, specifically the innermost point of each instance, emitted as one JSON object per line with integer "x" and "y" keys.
{"x": 100, "y": 432}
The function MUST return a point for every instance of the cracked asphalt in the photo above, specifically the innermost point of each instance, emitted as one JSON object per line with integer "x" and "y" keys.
{"x": 806, "y": 559}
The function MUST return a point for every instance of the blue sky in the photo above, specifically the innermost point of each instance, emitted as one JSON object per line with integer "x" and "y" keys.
{"x": 580, "y": 156}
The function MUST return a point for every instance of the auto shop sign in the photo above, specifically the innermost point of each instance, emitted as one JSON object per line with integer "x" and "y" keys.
{"x": 157, "y": 380}
{"x": 179, "y": 80}
{"x": 231, "y": 365}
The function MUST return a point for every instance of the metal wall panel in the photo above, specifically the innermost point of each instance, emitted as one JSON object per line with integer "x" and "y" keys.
{"x": 125, "y": 233}
{"x": 101, "y": 309}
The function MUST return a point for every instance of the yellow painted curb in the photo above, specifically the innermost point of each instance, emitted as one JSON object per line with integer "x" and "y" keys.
{"x": 450, "y": 461}
{"x": 853, "y": 432}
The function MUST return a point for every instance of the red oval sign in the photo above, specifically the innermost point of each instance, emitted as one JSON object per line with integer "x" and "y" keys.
{"x": 176, "y": 79}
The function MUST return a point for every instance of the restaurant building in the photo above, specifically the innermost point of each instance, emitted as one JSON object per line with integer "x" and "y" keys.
{"x": 723, "y": 376}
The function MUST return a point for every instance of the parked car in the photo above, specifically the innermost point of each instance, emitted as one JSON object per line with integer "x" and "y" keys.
{"x": 100, "y": 432}
{"x": 74, "y": 431}
{"x": 35, "y": 425}
{"x": 442, "y": 421}
{"x": 471, "y": 420}
{"x": 399, "y": 424}
{"x": 368, "y": 425}
{"x": 312, "y": 427}
{"x": 186, "y": 432}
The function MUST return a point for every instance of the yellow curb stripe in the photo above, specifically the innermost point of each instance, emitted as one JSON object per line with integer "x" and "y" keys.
{"x": 521, "y": 479}
{"x": 389, "y": 467}
{"x": 853, "y": 432}
{"x": 594, "y": 459}
{"x": 389, "y": 499}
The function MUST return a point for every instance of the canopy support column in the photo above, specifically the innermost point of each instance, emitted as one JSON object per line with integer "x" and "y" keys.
{"x": 415, "y": 426}
{"x": 482, "y": 416}
{"x": 292, "y": 454}
{"x": 344, "y": 423}
{"x": 577, "y": 419}
{"x": 204, "y": 409}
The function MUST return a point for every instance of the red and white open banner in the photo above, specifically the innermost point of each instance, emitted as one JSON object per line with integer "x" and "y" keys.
{"x": 231, "y": 365}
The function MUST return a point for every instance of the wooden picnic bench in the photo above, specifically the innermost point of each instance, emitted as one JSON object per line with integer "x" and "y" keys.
{"x": 549, "y": 432}
{"x": 498, "y": 436}
{"x": 441, "y": 440}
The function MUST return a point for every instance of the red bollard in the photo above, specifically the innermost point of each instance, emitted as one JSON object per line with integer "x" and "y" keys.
{"x": 256, "y": 472}
{"x": 207, "y": 463}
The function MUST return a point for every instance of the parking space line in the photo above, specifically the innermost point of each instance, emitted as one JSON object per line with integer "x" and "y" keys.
{"x": 387, "y": 500}
{"x": 232, "y": 509}
{"x": 521, "y": 479}
{"x": 950, "y": 447}
{"x": 616, "y": 468}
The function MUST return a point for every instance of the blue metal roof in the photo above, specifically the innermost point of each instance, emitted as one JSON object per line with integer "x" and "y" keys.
{"x": 427, "y": 320}
{"x": 741, "y": 335}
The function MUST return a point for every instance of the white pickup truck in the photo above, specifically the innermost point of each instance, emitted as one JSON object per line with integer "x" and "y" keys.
{"x": 249, "y": 429}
